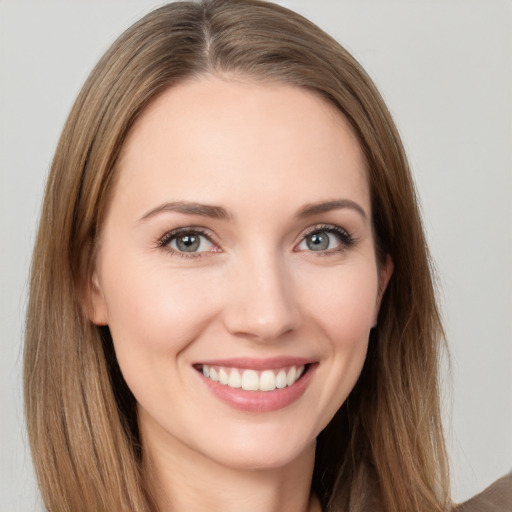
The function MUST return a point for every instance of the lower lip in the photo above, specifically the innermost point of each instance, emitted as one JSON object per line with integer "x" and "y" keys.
{"x": 260, "y": 401}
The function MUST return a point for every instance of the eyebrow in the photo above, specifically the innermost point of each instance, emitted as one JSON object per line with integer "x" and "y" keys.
{"x": 218, "y": 212}
{"x": 189, "y": 208}
{"x": 327, "y": 206}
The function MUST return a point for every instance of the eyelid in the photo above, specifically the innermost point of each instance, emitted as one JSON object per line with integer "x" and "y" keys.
{"x": 164, "y": 241}
{"x": 346, "y": 239}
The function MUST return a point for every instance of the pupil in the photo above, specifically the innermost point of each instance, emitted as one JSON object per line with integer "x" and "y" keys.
{"x": 188, "y": 243}
{"x": 318, "y": 241}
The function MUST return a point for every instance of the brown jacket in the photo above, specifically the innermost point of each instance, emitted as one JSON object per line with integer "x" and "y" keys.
{"x": 496, "y": 498}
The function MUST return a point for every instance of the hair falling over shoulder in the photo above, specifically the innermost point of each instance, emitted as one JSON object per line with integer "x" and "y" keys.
{"x": 385, "y": 445}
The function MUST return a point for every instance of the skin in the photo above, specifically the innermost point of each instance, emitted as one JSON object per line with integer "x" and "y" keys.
{"x": 254, "y": 289}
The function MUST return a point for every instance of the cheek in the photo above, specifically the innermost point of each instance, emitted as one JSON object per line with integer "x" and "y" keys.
{"x": 154, "y": 311}
{"x": 343, "y": 303}
{"x": 342, "y": 307}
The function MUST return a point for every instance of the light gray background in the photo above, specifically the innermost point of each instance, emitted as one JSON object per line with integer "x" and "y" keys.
{"x": 444, "y": 67}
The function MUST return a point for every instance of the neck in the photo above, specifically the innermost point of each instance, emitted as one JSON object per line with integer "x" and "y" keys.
{"x": 183, "y": 480}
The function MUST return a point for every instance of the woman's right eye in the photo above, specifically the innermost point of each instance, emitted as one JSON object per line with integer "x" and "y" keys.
{"x": 188, "y": 243}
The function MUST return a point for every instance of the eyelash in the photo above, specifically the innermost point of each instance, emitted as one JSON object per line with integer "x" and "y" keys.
{"x": 346, "y": 240}
{"x": 164, "y": 242}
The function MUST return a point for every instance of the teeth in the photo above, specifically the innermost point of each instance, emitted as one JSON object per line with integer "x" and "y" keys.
{"x": 235, "y": 379}
{"x": 267, "y": 381}
{"x": 281, "y": 380}
{"x": 292, "y": 376}
{"x": 223, "y": 376}
{"x": 251, "y": 380}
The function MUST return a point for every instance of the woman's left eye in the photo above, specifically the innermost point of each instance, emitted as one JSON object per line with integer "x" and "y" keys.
{"x": 325, "y": 239}
{"x": 188, "y": 243}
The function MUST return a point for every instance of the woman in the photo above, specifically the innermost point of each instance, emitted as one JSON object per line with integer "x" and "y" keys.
{"x": 232, "y": 152}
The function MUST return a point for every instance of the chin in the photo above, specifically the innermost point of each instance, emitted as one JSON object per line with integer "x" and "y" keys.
{"x": 261, "y": 447}
{"x": 257, "y": 457}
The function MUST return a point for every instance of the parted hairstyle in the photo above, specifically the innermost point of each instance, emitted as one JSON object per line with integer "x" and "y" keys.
{"x": 385, "y": 444}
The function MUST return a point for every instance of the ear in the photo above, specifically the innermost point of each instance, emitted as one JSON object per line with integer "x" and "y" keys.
{"x": 94, "y": 304}
{"x": 385, "y": 273}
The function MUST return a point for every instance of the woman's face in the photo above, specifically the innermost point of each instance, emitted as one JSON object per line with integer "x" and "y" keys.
{"x": 238, "y": 251}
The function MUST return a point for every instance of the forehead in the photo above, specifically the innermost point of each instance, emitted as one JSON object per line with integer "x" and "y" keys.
{"x": 211, "y": 134}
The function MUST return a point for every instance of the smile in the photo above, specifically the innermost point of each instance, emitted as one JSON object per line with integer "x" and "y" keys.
{"x": 257, "y": 385}
{"x": 253, "y": 380}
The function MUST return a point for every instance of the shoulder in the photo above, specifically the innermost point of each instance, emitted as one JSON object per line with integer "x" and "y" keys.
{"x": 496, "y": 498}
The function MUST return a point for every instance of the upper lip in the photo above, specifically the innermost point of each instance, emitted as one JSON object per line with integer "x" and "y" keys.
{"x": 250, "y": 363}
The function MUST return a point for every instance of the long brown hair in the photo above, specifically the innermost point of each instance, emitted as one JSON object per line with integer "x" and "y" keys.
{"x": 385, "y": 444}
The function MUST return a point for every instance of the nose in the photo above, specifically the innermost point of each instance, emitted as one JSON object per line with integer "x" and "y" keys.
{"x": 262, "y": 302}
